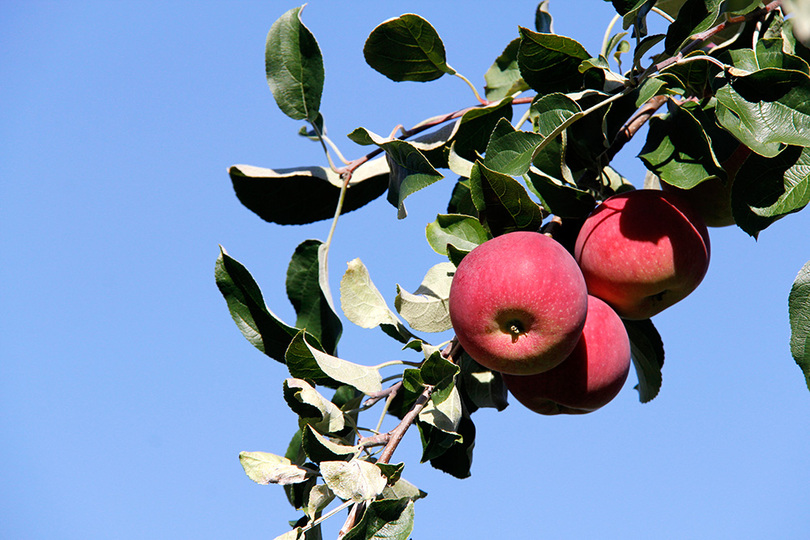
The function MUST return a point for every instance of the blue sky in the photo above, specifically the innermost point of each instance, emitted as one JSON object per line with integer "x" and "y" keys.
{"x": 126, "y": 391}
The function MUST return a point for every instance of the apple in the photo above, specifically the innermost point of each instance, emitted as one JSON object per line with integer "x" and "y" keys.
{"x": 591, "y": 376}
{"x": 518, "y": 303}
{"x": 711, "y": 199}
{"x": 642, "y": 251}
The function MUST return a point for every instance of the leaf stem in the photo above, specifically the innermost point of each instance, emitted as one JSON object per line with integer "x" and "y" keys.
{"x": 472, "y": 87}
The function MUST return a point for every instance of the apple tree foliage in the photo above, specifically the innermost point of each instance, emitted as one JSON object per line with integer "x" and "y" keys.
{"x": 725, "y": 92}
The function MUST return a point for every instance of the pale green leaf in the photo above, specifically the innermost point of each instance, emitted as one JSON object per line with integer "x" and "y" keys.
{"x": 354, "y": 480}
{"x": 266, "y": 468}
{"x": 799, "y": 309}
{"x": 427, "y": 310}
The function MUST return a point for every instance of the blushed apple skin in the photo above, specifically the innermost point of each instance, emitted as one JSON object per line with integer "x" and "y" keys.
{"x": 643, "y": 251}
{"x": 518, "y": 303}
{"x": 589, "y": 378}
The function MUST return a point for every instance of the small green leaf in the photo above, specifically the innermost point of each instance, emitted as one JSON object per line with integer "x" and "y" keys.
{"x": 647, "y": 351}
{"x": 543, "y": 21}
{"x": 445, "y": 415}
{"x": 426, "y": 310}
{"x": 463, "y": 231}
{"x": 455, "y": 255}
{"x": 510, "y": 150}
{"x": 402, "y": 489}
{"x": 317, "y": 499}
{"x": 262, "y": 328}
{"x": 503, "y": 77}
{"x": 311, "y": 303}
{"x": 550, "y": 63}
{"x": 307, "y": 362}
{"x": 475, "y": 128}
{"x": 452, "y": 454}
{"x": 480, "y": 387}
{"x": 294, "y": 67}
{"x": 363, "y": 304}
{"x": 265, "y": 468}
{"x": 387, "y": 519}
{"x": 550, "y": 111}
{"x": 319, "y": 448}
{"x": 294, "y": 534}
{"x": 406, "y": 48}
{"x": 354, "y": 480}
{"x": 503, "y": 204}
{"x": 694, "y": 17}
{"x": 305, "y": 194}
{"x": 799, "y": 309}
{"x": 560, "y": 199}
{"x": 312, "y": 407}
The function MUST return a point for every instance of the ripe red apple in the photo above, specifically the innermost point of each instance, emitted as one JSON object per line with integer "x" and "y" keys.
{"x": 642, "y": 251}
{"x": 518, "y": 303}
{"x": 589, "y": 378}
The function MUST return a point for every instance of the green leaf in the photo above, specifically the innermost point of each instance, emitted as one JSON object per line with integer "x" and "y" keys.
{"x": 402, "y": 489}
{"x": 475, "y": 128}
{"x": 444, "y": 415}
{"x": 294, "y": 67}
{"x": 647, "y": 352}
{"x": 503, "y": 77}
{"x": 294, "y": 534}
{"x": 550, "y": 63}
{"x": 783, "y": 97}
{"x": 693, "y": 78}
{"x": 410, "y": 170}
{"x": 503, "y": 204}
{"x": 258, "y": 324}
{"x": 481, "y": 387}
{"x": 387, "y": 519}
{"x": 694, "y": 17}
{"x": 363, "y": 304}
{"x": 265, "y": 468}
{"x": 426, "y": 310}
{"x": 766, "y": 189}
{"x": 560, "y": 199}
{"x": 305, "y": 194}
{"x": 406, "y": 48}
{"x": 312, "y": 407}
{"x": 550, "y": 111}
{"x": 319, "y": 448}
{"x": 510, "y": 150}
{"x": 307, "y": 362}
{"x": 318, "y": 498}
{"x": 455, "y": 255}
{"x": 464, "y": 232}
{"x": 623, "y": 7}
{"x": 354, "y": 480}
{"x": 799, "y": 309}
{"x": 314, "y": 310}
{"x": 456, "y": 457}
{"x": 543, "y": 21}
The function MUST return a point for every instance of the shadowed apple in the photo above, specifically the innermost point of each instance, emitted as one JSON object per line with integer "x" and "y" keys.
{"x": 518, "y": 303}
{"x": 591, "y": 376}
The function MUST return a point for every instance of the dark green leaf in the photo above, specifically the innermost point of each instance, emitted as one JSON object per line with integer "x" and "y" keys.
{"x": 766, "y": 189}
{"x": 258, "y": 324}
{"x": 406, "y": 48}
{"x": 319, "y": 448}
{"x": 542, "y": 18}
{"x": 305, "y": 194}
{"x": 550, "y": 111}
{"x": 481, "y": 387}
{"x": 647, "y": 351}
{"x": 475, "y": 128}
{"x": 294, "y": 67}
{"x": 312, "y": 307}
{"x": 695, "y": 16}
{"x": 386, "y": 519}
{"x": 312, "y": 407}
{"x": 461, "y": 200}
{"x": 456, "y": 458}
{"x": 799, "y": 308}
{"x": 560, "y": 199}
{"x": 503, "y": 204}
{"x": 455, "y": 255}
{"x": 693, "y": 78}
{"x": 623, "y": 7}
{"x": 550, "y": 63}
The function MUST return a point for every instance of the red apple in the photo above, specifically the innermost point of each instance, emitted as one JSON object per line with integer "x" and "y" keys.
{"x": 518, "y": 303}
{"x": 642, "y": 251}
{"x": 589, "y": 378}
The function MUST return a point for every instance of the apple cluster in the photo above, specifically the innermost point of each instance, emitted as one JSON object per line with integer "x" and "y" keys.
{"x": 550, "y": 321}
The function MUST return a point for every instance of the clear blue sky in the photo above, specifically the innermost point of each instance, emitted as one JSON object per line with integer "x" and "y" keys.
{"x": 126, "y": 391}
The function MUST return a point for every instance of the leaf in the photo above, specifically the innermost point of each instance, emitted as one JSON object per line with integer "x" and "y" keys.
{"x": 799, "y": 309}
{"x": 456, "y": 458}
{"x": 363, "y": 304}
{"x": 310, "y": 301}
{"x": 319, "y": 448}
{"x": 305, "y": 194}
{"x": 312, "y": 407}
{"x": 510, "y": 150}
{"x": 503, "y": 204}
{"x": 694, "y": 17}
{"x": 406, "y": 48}
{"x": 560, "y": 199}
{"x": 354, "y": 480}
{"x": 410, "y": 170}
{"x": 464, "y": 232}
{"x": 766, "y": 189}
{"x": 426, "y": 310}
{"x": 543, "y": 21}
{"x": 306, "y": 362}
{"x": 387, "y": 519}
{"x": 782, "y": 97}
{"x": 402, "y": 489}
{"x": 294, "y": 534}
{"x": 262, "y": 328}
{"x": 550, "y": 63}
{"x": 503, "y": 77}
{"x": 623, "y": 7}
{"x": 475, "y": 128}
{"x": 550, "y": 111}
{"x": 647, "y": 352}
{"x": 294, "y": 67}
{"x": 318, "y": 498}
{"x": 445, "y": 415}
{"x": 265, "y": 468}
{"x": 481, "y": 387}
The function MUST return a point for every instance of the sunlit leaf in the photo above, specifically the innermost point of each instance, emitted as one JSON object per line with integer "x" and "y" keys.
{"x": 550, "y": 63}
{"x": 503, "y": 204}
{"x": 319, "y": 448}
{"x": 503, "y": 77}
{"x": 510, "y": 150}
{"x": 266, "y": 468}
{"x": 312, "y": 407}
{"x": 387, "y": 519}
{"x": 799, "y": 308}
{"x": 427, "y": 309}
{"x": 354, "y": 480}
{"x": 463, "y": 231}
